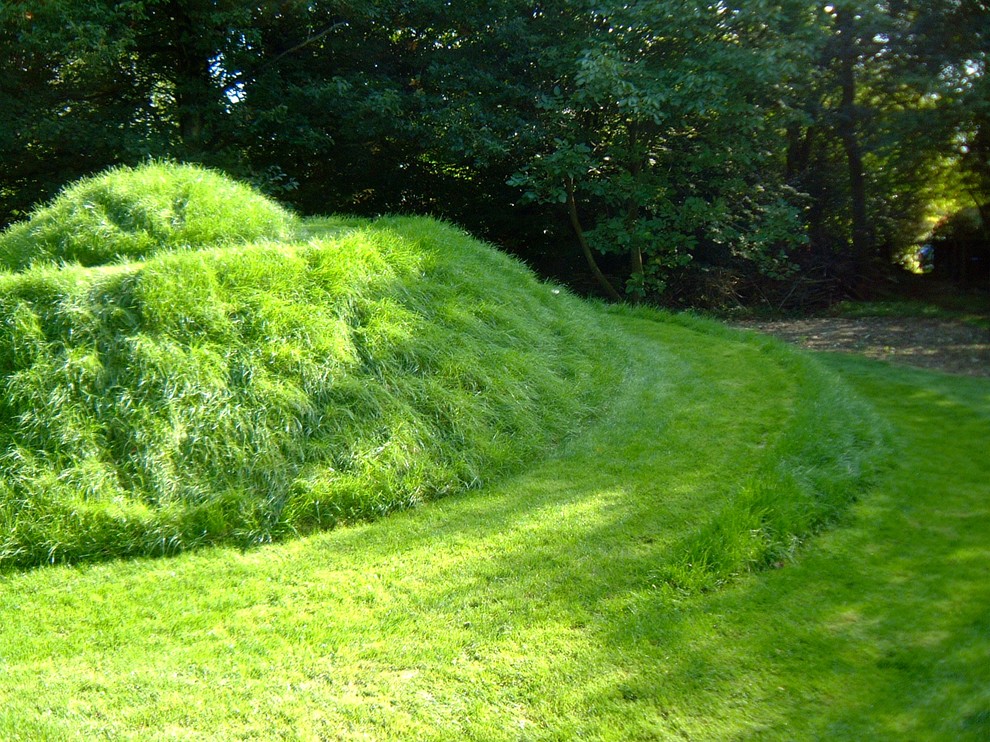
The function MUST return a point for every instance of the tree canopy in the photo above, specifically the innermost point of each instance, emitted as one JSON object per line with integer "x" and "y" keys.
{"x": 680, "y": 149}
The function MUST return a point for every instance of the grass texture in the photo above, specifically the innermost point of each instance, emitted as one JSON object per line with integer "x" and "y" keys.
{"x": 803, "y": 479}
{"x": 241, "y": 393}
{"x": 130, "y": 214}
{"x": 536, "y": 609}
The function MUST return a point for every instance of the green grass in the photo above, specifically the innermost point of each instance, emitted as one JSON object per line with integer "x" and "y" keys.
{"x": 130, "y": 214}
{"x": 536, "y": 609}
{"x": 244, "y": 393}
{"x": 739, "y": 542}
{"x": 882, "y": 631}
{"x": 829, "y": 450}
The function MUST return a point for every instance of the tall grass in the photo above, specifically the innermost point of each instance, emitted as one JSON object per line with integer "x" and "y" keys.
{"x": 131, "y": 214}
{"x": 243, "y": 393}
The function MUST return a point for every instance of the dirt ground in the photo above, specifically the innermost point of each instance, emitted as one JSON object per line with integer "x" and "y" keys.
{"x": 943, "y": 345}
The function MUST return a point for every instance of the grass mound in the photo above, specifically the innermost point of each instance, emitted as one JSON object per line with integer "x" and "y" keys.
{"x": 131, "y": 214}
{"x": 240, "y": 394}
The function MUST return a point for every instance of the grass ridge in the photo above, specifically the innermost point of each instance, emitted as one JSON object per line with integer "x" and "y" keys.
{"x": 833, "y": 448}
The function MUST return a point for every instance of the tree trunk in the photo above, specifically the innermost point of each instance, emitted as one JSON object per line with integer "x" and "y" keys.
{"x": 196, "y": 98}
{"x": 799, "y": 145}
{"x": 583, "y": 242}
{"x": 862, "y": 242}
{"x": 632, "y": 208}
{"x": 636, "y": 260}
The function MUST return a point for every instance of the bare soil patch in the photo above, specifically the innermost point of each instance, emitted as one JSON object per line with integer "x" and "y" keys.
{"x": 937, "y": 344}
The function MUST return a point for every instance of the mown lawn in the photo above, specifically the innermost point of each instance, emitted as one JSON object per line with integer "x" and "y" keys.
{"x": 541, "y": 609}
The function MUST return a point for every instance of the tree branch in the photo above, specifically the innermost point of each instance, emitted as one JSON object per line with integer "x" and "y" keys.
{"x": 302, "y": 44}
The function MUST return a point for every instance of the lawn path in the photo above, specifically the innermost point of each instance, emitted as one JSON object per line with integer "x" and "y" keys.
{"x": 529, "y": 611}
{"x": 882, "y": 630}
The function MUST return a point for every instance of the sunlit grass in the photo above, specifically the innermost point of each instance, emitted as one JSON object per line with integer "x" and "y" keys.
{"x": 881, "y": 630}
{"x": 130, "y": 214}
{"x": 244, "y": 393}
{"x": 533, "y": 609}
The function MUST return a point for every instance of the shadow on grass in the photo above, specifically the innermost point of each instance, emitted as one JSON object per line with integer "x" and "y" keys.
{"x": 532, "y": 610}
{"x": 881, "y": 630}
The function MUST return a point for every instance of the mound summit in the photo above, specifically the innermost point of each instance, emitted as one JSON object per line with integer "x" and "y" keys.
{"x": 183, "y": 362}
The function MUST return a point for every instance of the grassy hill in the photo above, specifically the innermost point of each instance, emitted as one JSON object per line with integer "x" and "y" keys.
{"x": 245, "y": 389}
{"x": 674, "y": 530}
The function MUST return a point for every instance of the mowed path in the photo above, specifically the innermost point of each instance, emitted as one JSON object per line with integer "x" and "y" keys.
{"x": 895, "y": 604}
{"x": 529, "y": 611}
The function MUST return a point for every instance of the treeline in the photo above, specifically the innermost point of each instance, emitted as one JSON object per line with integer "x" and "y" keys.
{"x": 696, "y": 152}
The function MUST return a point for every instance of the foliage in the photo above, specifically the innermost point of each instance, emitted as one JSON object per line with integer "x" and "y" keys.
{"x": 656, "y": 126}
{"x": 242, "y": 393}
{"x": 877, "y": 145}
{"x": 961, "y": 244}
{"x": 765, "y": 151}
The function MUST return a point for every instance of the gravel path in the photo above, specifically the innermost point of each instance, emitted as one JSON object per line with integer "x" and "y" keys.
{"x": 942, "y": 345}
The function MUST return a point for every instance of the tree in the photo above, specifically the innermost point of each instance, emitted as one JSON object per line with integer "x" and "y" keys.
{"x": 71, "y": 100}
{"x": 892, "y": 94}
{"x": 945, "y": 48}
{"x": 677, "y": 143}
{"x": 660, "y": 127}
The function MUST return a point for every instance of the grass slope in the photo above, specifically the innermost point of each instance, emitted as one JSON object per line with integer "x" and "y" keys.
{"x": 242, "y": 393}
{"x": 540, "y": 610}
